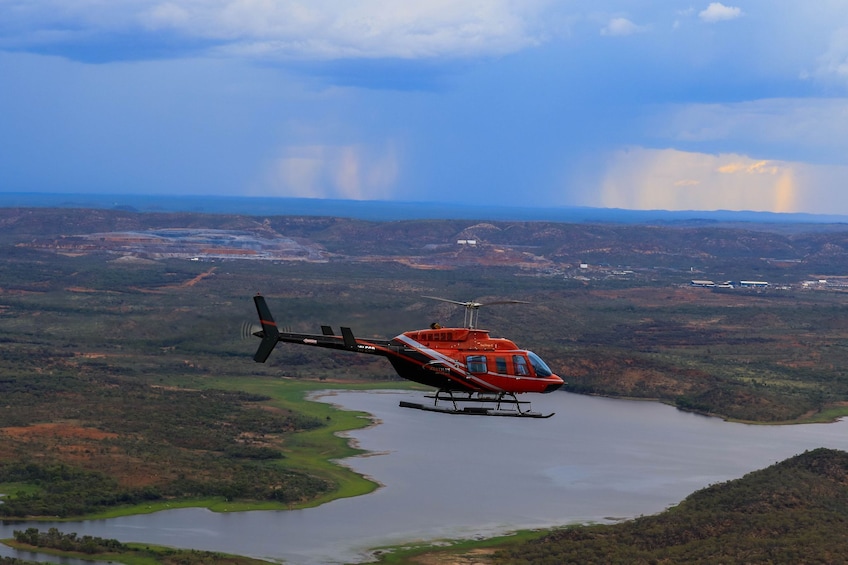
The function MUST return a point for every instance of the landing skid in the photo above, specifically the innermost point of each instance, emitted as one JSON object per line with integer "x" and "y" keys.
{"x": 505, "y": 404}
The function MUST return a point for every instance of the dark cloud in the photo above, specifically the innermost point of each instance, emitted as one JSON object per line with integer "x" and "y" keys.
{"x": 98, "y": 48}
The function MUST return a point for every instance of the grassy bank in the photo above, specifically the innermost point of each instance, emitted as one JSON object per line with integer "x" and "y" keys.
{"x": 317, "y": 451}
{"x": 144, "y": 554}
{"x": 453, "y": 552}
{"x": 314, "y": 452}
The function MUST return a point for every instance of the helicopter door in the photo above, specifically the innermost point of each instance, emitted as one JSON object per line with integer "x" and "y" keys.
{"x": 476, "y": 363}
{"x": 520, "y": 364}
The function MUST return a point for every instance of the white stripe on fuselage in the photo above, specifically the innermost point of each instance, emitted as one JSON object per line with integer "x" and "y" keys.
{"x": 433, "y": 354}
{"x": 449, "y": 361}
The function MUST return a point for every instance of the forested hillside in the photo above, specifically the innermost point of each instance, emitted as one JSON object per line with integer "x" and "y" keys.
{"x": 795, "y": 511}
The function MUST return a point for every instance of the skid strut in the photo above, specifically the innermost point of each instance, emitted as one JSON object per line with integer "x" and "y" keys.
{"x": 454, "y": 402}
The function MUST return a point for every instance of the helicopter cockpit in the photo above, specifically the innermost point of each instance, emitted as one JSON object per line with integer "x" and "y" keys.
{"x": 541, "y": 368}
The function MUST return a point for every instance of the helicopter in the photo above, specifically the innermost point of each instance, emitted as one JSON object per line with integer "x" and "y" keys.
{"x": 473, "y": 373}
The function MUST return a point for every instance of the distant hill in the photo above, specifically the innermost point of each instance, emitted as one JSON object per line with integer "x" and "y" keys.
{"x": 389, "y": 210}
{"x": 778, "y": 252}
{"x": 795, "y": 511}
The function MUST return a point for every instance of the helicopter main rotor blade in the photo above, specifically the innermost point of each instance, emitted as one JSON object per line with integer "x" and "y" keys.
{"x": 473, "y": 304}
{"x": 466, "y": 304}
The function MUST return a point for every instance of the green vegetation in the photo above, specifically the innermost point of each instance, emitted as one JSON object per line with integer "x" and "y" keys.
{"x": 454, "y": 551}
{"x": 761, "y": 358}
{"x": 54, "y": 539}
{"x": 57, "y": 543}
{"x": 215, "y": 443}
{"x": 792, "y": 512}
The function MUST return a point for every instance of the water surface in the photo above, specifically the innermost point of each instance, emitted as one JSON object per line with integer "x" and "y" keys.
{"x": 448, "y": 476}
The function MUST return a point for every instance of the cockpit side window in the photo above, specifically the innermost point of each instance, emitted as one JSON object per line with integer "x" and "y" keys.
{"x": 520, "y": 364}
{"x": 500, "y": 365}
{"x": 541, "y": 368}
{"x": 476, "y": 363}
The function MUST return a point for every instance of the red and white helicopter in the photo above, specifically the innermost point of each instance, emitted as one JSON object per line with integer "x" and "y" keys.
{"x": 472, "y": 372}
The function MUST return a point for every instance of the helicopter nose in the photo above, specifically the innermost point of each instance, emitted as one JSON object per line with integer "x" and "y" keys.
{"x": 555, "y": 383}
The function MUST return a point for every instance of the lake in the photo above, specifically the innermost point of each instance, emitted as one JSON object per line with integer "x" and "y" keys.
{"x": 448, "y": 476}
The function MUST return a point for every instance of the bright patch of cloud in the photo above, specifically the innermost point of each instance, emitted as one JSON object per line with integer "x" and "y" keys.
{"x": 354, "y": 172}
{"x": 621, "y": 26}
{"x": 335, "y": 29}
{"x": 667, "y": 179}
{"x": 717, "y": 12}
{"x": 292, "y": 29}
{"x": 756, "y": 167}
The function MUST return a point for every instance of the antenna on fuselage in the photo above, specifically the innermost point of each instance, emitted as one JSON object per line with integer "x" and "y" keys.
{"x": 472, "y": 308}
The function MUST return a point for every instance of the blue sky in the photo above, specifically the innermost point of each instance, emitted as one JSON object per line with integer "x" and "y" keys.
{"x": 610, "y": 103}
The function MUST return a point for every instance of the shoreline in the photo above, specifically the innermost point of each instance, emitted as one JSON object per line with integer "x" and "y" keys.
{"x": 828, "y": 414}
{"x": 334, "y": 447}
{"x": 341, "y": 422}
{"x": 132, "y": 554}
{"x": 342, "y": 446}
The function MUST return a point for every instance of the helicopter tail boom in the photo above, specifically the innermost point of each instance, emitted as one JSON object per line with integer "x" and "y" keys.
{"x": 271, "y": 334}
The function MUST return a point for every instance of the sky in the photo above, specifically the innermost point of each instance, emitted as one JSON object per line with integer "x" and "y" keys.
{"x": 635, "y": 104}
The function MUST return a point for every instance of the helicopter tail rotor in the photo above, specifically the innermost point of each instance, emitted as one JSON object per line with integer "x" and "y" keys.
{"x": 250, "y": 329}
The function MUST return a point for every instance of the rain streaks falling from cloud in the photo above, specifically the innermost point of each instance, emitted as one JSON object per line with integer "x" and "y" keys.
{"x": 348, "y": 172}
{"x": 674, "y": 180}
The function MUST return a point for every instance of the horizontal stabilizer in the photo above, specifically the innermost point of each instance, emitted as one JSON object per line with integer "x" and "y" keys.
{"x": 349, "y": 340}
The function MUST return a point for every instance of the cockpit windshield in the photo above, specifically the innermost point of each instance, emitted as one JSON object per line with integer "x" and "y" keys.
{"x": 541, "y": 368}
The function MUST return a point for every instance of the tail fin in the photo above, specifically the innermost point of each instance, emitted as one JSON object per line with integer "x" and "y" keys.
{"x": 269, "y": 330}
